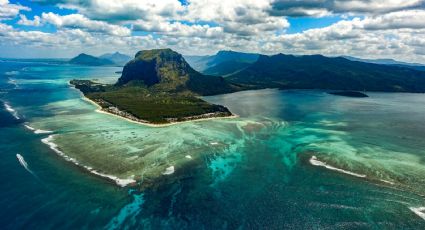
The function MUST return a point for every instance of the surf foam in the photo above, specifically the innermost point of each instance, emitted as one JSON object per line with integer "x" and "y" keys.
{"x": 11, "y": 110}
{"x": 121, "y": 182}
{"x": 169, "y": 170}
{"x": 314, "y": 161}
{"x": 418, "y": 211}
{"x": 11, "y": 73}
{"x": 38, "y": 131}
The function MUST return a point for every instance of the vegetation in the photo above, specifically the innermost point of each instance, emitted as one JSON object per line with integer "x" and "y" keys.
{"x": 158, "y": 86}
{"x": 167, "y": 71}
{"x": 226, "y": 68}
{"x": 222, "y": 63}
{"x": 319, "y": 72}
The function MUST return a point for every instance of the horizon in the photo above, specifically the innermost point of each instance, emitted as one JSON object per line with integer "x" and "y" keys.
{"x": 340, "y": 56}
{"x": 390, "y": 29}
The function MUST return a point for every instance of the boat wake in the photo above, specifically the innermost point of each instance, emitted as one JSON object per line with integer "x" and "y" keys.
{"x": 121, "y": 182}
{"x": 24, "y": 163}
{"x": 11, "y": 110}
{"x": 314, "y": 161}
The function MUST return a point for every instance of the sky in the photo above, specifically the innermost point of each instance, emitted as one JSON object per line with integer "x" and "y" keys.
{"x": 360, "y": 28}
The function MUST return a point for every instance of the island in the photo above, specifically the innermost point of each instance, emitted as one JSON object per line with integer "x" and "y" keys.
{"x": 89, "y": 60}
{"x": 158, "y": 87}
{"x": 348, "y": 93}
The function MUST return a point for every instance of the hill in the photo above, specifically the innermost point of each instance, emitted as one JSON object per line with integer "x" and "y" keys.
{"x": 393, "y": 62}
{"x": 85, "y": 59}
{"x": 158, "y": 86}
{"x": 320, "y": 72}
{"x": 167, "y": 71}
{"x": 226, "y": 68}
{"x": 222, "y": 63}
{"x": 117, "y": 58}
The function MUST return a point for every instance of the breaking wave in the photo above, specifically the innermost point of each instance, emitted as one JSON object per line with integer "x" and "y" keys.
{"x": 314, "y": 161}
{"x": 121, "y": 182}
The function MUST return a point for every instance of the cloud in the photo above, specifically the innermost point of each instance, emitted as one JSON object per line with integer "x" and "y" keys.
{"x": 26, "y": 22}
{"x": 121, "y": 10}
{"x": 76, "y": 21}
{"x": 10, "y": 11}
{"x": 379, "y": 29}
{"x": 325, "y": 7}
{"x": 178, "y": 29}
{"x": 412, "y": 19}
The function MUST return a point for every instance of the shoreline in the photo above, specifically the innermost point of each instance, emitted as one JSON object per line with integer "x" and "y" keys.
{"x": 99, "y": 109}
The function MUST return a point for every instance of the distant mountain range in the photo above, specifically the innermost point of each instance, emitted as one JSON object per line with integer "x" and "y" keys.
{"x": 415, "y": 66}
{"x": 105, "y": 59}
{"x": 169, "y": 71}
{"x": 320, "y": 72}
{"x": 159, "y": 86}
{"x": 117, "y": 58}
{"x": 223, "y": 63}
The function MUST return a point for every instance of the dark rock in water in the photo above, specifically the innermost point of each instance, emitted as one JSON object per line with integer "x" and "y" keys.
{"x": 349, "y": 94}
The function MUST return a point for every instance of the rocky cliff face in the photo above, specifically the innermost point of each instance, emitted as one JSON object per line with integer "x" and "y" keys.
{"x": 167, "y": 70}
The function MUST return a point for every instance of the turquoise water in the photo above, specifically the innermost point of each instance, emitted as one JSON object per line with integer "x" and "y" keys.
{"x": 292, "y": 159}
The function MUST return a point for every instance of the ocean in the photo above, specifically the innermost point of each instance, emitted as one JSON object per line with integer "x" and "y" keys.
{"x": 296, "y": 159}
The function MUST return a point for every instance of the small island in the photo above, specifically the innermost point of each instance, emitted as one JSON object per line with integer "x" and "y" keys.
{"x": 349, "y": 94}
{"x": 158, "y": 87}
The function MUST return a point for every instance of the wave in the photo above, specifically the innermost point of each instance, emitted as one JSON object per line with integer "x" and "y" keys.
{"x": 11, "y": 73}
{"x": 169, "y": 170}
{"x": 11, "y": 110}
{"x": 38, "y": 131}
{"x": 314, "y": 161}
{"x": 121, "y": 182}
{"x": 13, "y": 82}
{"x": 418, "y": 211}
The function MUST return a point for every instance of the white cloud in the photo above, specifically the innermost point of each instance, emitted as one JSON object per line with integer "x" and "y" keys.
{"x": 384, "y": 29}
{"x": 82, "y": 22}
{"x": 413, "y": 19}
{"x": 26, "y": 22}
{"x": 10, "y": 11}
{"x": 325, "y": 7}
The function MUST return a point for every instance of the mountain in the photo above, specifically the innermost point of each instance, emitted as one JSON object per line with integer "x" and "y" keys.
{"x": 116, "y": 57}
{"x": 222, "y": 63}
{"x": 158, "y": 86}
{"x": 415, "y": 66}
{"x": 226, "y": 68}
{"x": 320, "y": 72}
{"x": 85, "y": 59}
{"x": 167, "y": 71}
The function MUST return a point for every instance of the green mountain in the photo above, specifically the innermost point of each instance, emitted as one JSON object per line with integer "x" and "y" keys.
{"x": 167, "y": 71}
{"x": 226, "y": 68}
{"x": 85, "y": 59}
{"x": 393, "y": 62}
{"x": 320, "y": 72}
{"x": 158, "y": 86}
{"x": 222, "y": 63}
{"x": 117, "y": 58}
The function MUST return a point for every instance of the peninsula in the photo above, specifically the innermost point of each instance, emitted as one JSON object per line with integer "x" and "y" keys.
{"x": 158, "y": 87}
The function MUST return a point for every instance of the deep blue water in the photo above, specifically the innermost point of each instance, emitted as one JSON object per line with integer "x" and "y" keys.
{"x": 261, "y": 179}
